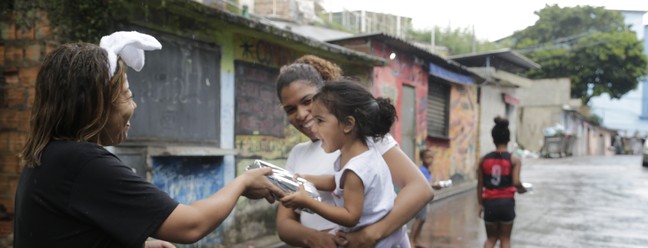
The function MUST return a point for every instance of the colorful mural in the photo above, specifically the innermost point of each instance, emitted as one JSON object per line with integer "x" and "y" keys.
{"x": 388, "y": 82}
{"x": 268, "y": 147}
{"x": 262, "y": 52}
{"x": 459, "y": 156}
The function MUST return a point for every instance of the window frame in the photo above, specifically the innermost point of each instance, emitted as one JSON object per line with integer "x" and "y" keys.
{"x": 444, "y": 94}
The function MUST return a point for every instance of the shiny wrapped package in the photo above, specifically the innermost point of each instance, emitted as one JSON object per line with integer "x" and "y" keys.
{"x": 285, "y": 180}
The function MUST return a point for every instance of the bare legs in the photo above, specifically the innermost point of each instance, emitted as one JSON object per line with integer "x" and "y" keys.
{"x": 416, "y": 232}
{"x": 492, "y": 234}
{"x": 498, "y": 231}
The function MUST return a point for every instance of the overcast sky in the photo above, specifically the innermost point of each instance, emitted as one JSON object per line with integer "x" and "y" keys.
{"x": 493, "y": 19}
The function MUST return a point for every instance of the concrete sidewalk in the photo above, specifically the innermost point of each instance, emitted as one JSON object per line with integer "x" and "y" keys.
{"x": 273, "y": 241}
{"x": 454, "y": 190}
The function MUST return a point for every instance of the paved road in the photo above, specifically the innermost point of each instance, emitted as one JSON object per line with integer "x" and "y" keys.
{"x": 576, "y": 202}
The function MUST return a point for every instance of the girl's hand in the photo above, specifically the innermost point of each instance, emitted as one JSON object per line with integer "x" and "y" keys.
{"x": 297, "y": 199}
{"x": 480, "y": 214}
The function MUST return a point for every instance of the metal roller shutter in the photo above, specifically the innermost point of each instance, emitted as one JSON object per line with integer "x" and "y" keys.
{"x": 437, "y": 109}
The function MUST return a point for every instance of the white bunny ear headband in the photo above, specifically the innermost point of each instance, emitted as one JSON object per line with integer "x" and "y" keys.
{"x": 130, "y": 46}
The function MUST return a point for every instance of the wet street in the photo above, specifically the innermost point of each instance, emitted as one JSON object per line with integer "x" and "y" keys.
{"x": 576, "y": 202}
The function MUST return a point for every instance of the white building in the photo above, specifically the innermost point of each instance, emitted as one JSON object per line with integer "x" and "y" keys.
{"x": 498, "y": 93}
{"x": 630, "y": 113}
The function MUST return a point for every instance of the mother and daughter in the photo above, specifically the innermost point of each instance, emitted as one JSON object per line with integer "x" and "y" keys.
{"x": 350, "y": 157}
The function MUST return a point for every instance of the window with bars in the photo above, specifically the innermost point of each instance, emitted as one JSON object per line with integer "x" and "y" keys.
{"x": 438, "y": 115}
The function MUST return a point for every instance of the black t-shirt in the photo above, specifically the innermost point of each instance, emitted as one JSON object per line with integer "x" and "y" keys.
{"x": 84, "y": 196}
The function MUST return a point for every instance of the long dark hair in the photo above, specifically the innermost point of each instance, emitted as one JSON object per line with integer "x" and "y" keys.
{"x": 374, "y": 116}
{"x": 74, "y": 98}
{"x": 501, "y": 134}
{"x": 310, "y": 69}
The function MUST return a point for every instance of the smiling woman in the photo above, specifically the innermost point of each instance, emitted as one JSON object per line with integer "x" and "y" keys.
{"x": 116, "y": 130}
{"x": 350, "y": 120}
{"x": 296, "y": 85}
{"x": 84, "y": 102}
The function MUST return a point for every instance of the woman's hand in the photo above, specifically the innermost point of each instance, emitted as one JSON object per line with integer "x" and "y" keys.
{"x": 322, "y": 239}
{"x": 258, "y": 186}
{"x": 362, "y": 238}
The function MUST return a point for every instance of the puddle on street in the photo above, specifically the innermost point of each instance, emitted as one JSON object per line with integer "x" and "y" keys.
{"x": 453, "y": 222}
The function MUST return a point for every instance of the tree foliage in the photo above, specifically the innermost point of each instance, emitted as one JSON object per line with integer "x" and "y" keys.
{"x": 457, "y": 40}
{"x": 75, "y": 20}
{"x": 590, "y": 45}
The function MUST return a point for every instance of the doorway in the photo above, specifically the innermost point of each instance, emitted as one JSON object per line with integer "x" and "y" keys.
{"x": 408, "y": 121}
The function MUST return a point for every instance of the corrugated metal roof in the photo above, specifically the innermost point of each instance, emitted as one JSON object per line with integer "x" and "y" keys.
{"x": 314, "y": 32}
{"x": 187, "y": 9}
{"x": 407, "y": 47}
{"x": 504, "y": 59}
{"x": 504, "y": 78}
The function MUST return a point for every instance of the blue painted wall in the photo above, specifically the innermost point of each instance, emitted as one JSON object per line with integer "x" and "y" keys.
{"x": 188, "y": 179}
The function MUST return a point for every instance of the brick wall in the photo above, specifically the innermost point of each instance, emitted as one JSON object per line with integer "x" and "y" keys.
{"x": 21, "y": 53}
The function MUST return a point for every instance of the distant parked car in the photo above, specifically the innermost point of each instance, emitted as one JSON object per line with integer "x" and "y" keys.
{"x": 645, "y": 154}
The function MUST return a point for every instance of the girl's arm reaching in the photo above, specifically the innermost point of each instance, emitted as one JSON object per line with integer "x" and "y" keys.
{"x": 321, "y": 182}
{"x": 414, "y": 193}
{"x": 348, "y": 216}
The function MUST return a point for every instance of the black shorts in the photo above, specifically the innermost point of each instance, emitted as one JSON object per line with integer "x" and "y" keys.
{"x": 499, "y": 210}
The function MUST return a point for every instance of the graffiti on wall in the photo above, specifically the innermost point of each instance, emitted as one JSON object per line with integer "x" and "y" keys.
{"x": 262, "y": 52}
{"x": 403, "y": 66}
{"x": 459, "y": 157}
{"x": 268, "y": 147}
{"x": 177, "y": 88}
{"x": 388, "y": 82}
{"x": 258, "y": 111}
{"x": 189, "y": 179}
{"x": 421, "y": 113}
{"x": 262, "y": 129}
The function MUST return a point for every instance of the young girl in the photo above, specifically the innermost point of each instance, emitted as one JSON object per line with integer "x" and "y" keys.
{"x": 296, "y": 85}
{"x": 498, "y": 177}
{"x": 346, "y": 116}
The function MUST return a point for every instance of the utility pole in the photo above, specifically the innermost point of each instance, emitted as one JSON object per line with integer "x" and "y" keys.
{"x": 474, "y": 42}
{"x": 433, "y": 38}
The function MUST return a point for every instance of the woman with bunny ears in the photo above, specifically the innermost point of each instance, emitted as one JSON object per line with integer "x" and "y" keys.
{"x": 74, "y": 193}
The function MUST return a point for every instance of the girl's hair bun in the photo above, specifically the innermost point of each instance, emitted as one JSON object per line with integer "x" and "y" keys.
{"x": 500, "y": 121}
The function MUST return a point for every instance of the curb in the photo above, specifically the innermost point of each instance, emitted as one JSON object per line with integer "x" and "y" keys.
{"x": 455, "y": 190}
